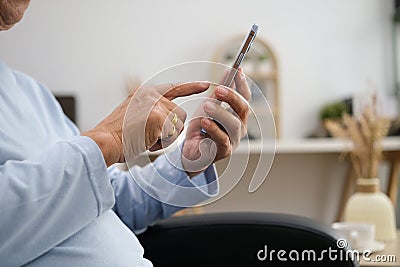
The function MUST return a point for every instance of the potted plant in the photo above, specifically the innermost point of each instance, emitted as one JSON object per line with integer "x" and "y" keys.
{"x": 368, "y": 204}
{"x": 333, "y": 111}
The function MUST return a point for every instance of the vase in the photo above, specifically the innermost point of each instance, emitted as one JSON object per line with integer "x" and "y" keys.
{"x": 370, "y": 205}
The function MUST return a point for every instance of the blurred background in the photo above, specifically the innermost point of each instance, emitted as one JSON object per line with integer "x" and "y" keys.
{"x": 323, "y": 51}
{"x": 326, "y": 50}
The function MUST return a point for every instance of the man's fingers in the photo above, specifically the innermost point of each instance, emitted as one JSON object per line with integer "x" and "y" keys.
{"x": 173, "y": 108}
{"x": 235, "y": 100}
{"x": 241, "y": 84}
{"x": 171, "y": 128}
{"x": 172, "y": 91}
{"x": 231, "y": 123}
{"x": 218, "y": 136}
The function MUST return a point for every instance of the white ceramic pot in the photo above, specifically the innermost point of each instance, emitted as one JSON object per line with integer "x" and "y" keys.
{"x": 369, "y": 205}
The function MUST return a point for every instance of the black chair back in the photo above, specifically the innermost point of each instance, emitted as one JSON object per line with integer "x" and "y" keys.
{"x": 243, "y": 239}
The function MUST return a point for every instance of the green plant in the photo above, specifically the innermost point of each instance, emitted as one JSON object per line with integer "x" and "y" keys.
{"x": 228, "y": 57}
{"x": 262, "y": 57}
{"x": 333, "y": 111}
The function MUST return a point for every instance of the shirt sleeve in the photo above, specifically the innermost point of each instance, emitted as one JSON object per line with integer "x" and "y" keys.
{"x": 46, "y": 199}
{"x": 137, "y": 209}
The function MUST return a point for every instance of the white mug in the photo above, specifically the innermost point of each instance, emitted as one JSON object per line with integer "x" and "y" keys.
{"x": 358, "y": 235}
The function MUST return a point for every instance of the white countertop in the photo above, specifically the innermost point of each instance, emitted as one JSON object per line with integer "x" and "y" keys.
{"x": 311, "y": 145}
{"x": 304, "y": 146}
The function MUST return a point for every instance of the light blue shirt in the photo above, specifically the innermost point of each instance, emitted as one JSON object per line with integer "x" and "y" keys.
{"x": 59, "y": 204}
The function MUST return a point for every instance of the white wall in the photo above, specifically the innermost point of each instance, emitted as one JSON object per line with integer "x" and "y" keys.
{"x": 327, "y": 49}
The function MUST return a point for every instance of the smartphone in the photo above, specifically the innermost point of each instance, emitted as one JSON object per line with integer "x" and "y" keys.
{"x": 248, "y": 41}
{"x": 241, "y": 54}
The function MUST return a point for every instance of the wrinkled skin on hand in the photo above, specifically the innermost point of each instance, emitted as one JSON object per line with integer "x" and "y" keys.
{"x": 201, "y": 150}
{"x": 143, "y": 121}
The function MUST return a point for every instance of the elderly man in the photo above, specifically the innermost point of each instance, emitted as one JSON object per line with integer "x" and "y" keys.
{"x": 59, "y": 203}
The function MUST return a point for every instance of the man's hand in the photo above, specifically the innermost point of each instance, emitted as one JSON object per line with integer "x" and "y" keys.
{"x": 201, "y": 150}
{"x": 143, "y": 121}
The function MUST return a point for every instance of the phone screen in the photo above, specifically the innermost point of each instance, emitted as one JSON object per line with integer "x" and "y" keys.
{"x": 241, "y": 54}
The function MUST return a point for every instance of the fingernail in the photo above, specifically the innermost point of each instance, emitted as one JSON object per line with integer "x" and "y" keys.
{"x": 210, "y": 106}
{"x": 206, "y": 122}
{"x": 205, "y": 84}
{"x": 222, "y": 91}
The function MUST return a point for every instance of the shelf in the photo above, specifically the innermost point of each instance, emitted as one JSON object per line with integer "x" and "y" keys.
{"x": 311, "y": 145}
{"x": 303, "y": 146}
